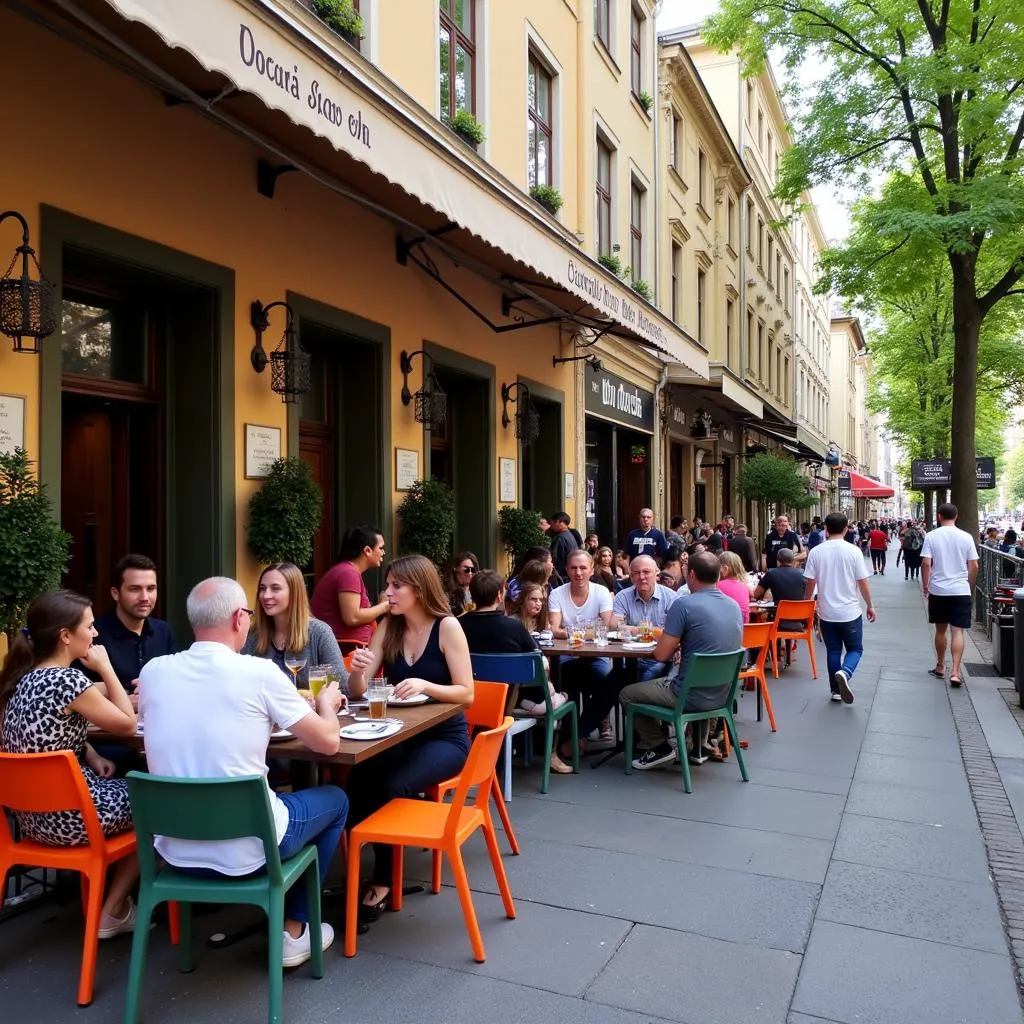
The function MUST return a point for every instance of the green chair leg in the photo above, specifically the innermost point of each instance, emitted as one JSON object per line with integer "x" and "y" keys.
{"x": 629, "y": 739}
{"x": 316, "y": 939}
{"x": 549, "y": 746}
{"x": 574, "y": 726}
{"x": 275, "y": 956}
{"x": 186, "y": 953}
{"x": 137, "y": 967}
{"x": 734, "y": 739}
{"x": 684, "y": 758}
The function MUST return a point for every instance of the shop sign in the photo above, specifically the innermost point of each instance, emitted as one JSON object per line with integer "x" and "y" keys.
{"x": 613, "y": 398}
{"x": 820, "y": 485}
{"x": 930, "y": 474}
{"x": 844, "y": 481}
{"x": 677, "y": 420}
{"x": 727, "y": 438}
{"x": 986, "y": 470}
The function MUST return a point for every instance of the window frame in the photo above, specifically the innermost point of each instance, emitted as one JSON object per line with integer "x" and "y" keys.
{"x": 677, "y": 274}
{"x": 542, "y": 128}
{"x": 456, "y": 37}
{"x": 702, "y": 178}
{"x": 636, "y": 50}
{"x": 702, "y": 296}
{"x": 636, "y": 229}
{"x": 603, "y": 7}
{"x": 603, "y": 195}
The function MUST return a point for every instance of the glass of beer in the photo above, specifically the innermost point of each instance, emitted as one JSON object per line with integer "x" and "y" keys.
{"x": 377, "y": 698}
{"x": 319, "y": 676}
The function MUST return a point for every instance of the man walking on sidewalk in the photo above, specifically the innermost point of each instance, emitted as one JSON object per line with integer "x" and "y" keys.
{"x": 949, "y": 566}
{"x": 839, "y": 571}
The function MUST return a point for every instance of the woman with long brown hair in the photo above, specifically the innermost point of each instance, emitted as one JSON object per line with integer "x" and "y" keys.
{"x": 465, "y": 565}
{"x": 283, "y": 627}
{"x": 532, "y": 607}
{"x": 604, "y": 568}
{"x": 422, "y": 650}
{"x": 47, "y": 706}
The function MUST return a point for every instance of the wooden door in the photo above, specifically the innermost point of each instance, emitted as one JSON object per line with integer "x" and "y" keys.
{"x": 634, "y": 451}
{"x": 317, "y": 451}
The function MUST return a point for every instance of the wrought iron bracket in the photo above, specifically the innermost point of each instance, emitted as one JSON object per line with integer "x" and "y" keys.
{"x": 267, "y": 175}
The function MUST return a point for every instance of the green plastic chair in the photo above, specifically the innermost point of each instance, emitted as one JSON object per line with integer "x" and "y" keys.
{"x": 527, "y": 670}
{"x": 707, "y": 672}
{"x": 215, "y": 809}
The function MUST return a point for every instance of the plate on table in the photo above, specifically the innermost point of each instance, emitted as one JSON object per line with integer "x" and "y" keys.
{"x": 280, "y": 734}
{"x": 614, "y": 637}
{"x": 370, "y": 730}
{"x": 403, "y": 702}
{"x": 635, "y": 645}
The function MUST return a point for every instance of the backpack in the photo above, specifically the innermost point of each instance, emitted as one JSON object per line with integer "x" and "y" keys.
{"x": 912, "y": 541}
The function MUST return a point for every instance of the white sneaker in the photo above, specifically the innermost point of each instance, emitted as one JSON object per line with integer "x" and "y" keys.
{"x": 296, "y": 951}
{"x": 111, "y": 926}
{"x": 843, "y": 682}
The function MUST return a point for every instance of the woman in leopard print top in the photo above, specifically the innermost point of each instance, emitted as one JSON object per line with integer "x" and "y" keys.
{"x": 46, "y": 706}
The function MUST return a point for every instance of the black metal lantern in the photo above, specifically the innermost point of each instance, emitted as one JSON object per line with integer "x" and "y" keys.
{"x": 290, "y": 373}
{"x": 430, "y": 403}
{"x": 527, "y": 418}
{"x": 26, "y": 303}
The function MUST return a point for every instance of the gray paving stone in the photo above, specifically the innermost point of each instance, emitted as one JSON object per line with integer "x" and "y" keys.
{"x": 921, "y": 906}
{"x": 696, "y": 979}
{"x": 904, "y": 803}
{"x": 784, "y": 754}
{"x": 811, "y": 782}
{"x": 912, "y": 747}
{"x": 803, "y": 1018}
{"x": 931, "y": 725}
{"x": 953, "y": 853}
{"x": 893, "y": 770}
{"x": 868, "y": 977}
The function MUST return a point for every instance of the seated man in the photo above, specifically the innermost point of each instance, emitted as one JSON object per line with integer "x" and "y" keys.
{"x": 785, "y": 583}
{"x": 705, "y": 621}
{"x": 673, "y": 570}
{"x": 488, "y": 629}
{"x": 209, "y": 712}
{"x": 645, "y": 601}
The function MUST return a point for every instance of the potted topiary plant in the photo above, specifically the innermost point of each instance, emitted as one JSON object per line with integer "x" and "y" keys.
{"x": 548, "y": 197}
{"x": 33, "y": 547}
{"x": 646, "y": 100}
{"x": 341, "y": 17}
{"x": 467, "y": 127}
{"x": 427, "y": 514}
{"x": 519, "y": 529}
{"x": 285, "y": 513}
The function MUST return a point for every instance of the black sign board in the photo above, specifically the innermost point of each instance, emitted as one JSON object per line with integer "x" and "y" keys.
{"x": 613, "y": 398}
{"x": 844, "y": 480}
{"x": 937, "y": 474}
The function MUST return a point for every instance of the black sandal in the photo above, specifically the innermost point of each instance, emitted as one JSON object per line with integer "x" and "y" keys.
{"x": 369, "y": 913}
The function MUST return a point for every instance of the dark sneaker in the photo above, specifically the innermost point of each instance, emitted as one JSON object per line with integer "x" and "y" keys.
{"x": 844, "y": 687}
{"x": 654, "y": 758}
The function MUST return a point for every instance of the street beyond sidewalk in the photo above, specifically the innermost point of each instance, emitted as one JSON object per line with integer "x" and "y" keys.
{"x": 846, "y": 882}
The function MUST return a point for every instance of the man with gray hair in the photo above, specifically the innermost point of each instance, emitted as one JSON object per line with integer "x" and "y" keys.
{"x": 648, "y": 540}
{"x": 209, "y": 712}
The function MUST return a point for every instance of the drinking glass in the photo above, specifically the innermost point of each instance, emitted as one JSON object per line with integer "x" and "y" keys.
{"x": 588, "y": 632}
{"x": 294, "y": 665}
{"x": 576, "y": 635}
{"x": 377, "y": 698}
{"x": 600, "y": 632}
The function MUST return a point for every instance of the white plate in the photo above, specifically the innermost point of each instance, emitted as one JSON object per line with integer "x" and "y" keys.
{"x": 280, "y": 734}
{"x": 370, "y": 730}
{"x": 416, "y": 698}
{"x": 613, "y": 635}
{"x": 635, "y": 645}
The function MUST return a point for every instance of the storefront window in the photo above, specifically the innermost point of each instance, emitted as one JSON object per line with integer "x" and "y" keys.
{"x": 105, "y": 341}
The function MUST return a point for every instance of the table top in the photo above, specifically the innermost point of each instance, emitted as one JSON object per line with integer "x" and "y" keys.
{"x": 563, "y": 648}
{"x": 415, "y": 719}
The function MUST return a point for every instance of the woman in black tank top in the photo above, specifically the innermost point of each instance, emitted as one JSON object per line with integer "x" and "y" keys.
{"x": 422, "y": 649}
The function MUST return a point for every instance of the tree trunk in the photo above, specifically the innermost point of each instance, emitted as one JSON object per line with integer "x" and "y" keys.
{"x": 966, "y": 328}
{"x": 929, "y": 509}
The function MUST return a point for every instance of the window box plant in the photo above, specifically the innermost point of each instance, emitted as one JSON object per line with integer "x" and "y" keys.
{"x": 611, "y": 261}
{"x": 642, "y": 288}
{"x": 285, "y": 513}
{"x": 646, "y": 100}
{"x": 467, "y": 127}
{"x": 548, "y": 197}
{"x": 341, "y": 17}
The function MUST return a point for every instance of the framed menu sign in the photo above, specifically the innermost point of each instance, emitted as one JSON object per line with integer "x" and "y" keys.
{"x": 262, "y": 447}
{"x": 12, "y": 422}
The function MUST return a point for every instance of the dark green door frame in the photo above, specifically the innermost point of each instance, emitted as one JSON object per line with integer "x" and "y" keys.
{"x": 556, "y": 397}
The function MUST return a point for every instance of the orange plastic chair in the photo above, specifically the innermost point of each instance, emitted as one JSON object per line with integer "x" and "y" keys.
{"x": 794, "y": 611}
{"x": 54, "y": 782}
{"x": 758, "y": 636}
{"x": 486, "y": 712}
{"x": 444, "y": 827}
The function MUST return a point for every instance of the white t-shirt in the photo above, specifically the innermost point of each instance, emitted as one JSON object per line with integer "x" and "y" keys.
{"x": 950, "y": 549}
{"x": 208, "y": 713}
{"x": 599, "y": 601}
{"x": 836, "y": 567}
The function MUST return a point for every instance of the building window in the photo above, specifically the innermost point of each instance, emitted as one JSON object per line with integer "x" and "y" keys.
{"x": 458, "y": 56}
{"x": 603, "y": 22}
{"x": 701, "y": 304}
{"x": 762, "y": 358}
{"x": 677, "y": 273}
{"x": 636, "y": 230}
{"x": 760, "y": 243}
{"x": 760, "y": 129}
{"x": 750, "y": 100}
{"x": 750, "y": 339}
{"x": 771, "y": 143}
{"x": 604, "y": 199}
{"x": 539, "y": 90}
{"x": 785, "y": 287}
{"x": 730, "y": 223}
{"x": 729, "y": 332}
{"x": 677, "y": 142}
{"x": 636, "y": 32}
{"x": 770, "y": 377}
{"x": 771, "y": 252}
{"x": 750, "y": 227}
{"x": 702, "y": 179}
{"x": 785, "y": 379}
{"x": 778, "y": 270}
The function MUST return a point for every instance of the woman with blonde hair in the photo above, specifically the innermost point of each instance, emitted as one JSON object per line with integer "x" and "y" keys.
{"x": 732, "y": 580}
{"x": 283, "y": 627}
{"x": 422, "y": 650}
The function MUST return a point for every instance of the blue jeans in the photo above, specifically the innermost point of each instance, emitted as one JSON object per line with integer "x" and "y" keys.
{"x": 838, "y": 635}
{"x": 315, "y": 816}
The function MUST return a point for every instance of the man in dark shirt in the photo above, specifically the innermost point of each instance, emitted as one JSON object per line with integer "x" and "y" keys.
{"x": 648, "y": 540}
{"x": 563, "y": 543}
{"x": 740, "y": 544}
{"x": 488, "y": 629}
{"x": 817, "y": 535}
{"x": 129, "y": 632}
{"x": 785, "y": 582}
{"x": 781, "y": 537}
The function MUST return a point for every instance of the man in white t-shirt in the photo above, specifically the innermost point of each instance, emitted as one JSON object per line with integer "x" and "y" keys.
{"x": 574, "y": 602}
{"x": 839, "y": 572}
{"x": 949, "y": 566}
{"x": 209, "y": 712}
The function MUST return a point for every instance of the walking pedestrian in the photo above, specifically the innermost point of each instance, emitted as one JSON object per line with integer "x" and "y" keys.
{"x": 878, "y": 542}
{"x": 910, "y": 547}
{"x": 839, "y": 571}
{"x": 949, "y": 564}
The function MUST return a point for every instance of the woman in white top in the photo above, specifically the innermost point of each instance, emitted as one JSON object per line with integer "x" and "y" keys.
{"x": 574, "y": 602}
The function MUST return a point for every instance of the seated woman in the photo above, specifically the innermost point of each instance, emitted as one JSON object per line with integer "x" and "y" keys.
{"x": 421, "y": 649}
{"x": 732, "y": 580}
{"x": 456, "y": 581}
{"x": 536, "y": 572}
{"x": 47, "y": 706}
{"x": 622, "y": 568}
{"x": 604, "y": 569}
{"x": 283, "y": 628}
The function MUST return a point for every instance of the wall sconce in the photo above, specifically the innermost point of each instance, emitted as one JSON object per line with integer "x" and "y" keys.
{"x": 431, "y": 402}
{"x": 26, "y": 305}
{"x": 290, "y": 374}
{"x": 527, "y": 417}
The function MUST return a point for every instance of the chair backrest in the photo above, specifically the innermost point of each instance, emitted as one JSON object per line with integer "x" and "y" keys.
{"x": 44, "y": 783}
{"x": 521, "y": 668}
{"x": 712, "y": 672}
{"x": 757, "y": 636}
{"x": 795, "y": 611}
{"x": 488, "y": 708}
{"x": 202, "y": 809}
{"x": 478, "y": 772}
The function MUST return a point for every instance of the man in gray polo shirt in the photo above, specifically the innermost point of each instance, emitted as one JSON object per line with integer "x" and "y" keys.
{"x": 645, "y": 601}
{"x": 705, "y": 621}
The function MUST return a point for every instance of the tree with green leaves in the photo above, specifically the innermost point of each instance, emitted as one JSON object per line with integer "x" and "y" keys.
{"x": 1013, "y": 478}
{"x": 927, "y": 89}
{"x": 775, "y": 481}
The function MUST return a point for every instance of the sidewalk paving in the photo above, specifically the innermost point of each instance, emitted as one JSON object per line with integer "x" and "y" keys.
{"x": 846, "y": 882}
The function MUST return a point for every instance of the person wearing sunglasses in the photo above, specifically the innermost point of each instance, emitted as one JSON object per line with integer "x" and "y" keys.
{"x": 463, "y": 568}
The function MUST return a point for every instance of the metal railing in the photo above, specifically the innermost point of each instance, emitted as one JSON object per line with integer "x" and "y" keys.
{"x": 994, "y": 567}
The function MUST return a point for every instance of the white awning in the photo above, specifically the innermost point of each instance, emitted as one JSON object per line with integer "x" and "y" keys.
{"x": 262, "y": 49}
{"x": 742, "y": 396}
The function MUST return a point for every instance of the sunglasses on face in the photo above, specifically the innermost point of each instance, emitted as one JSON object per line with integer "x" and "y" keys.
{"x": 467, "y": 569}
